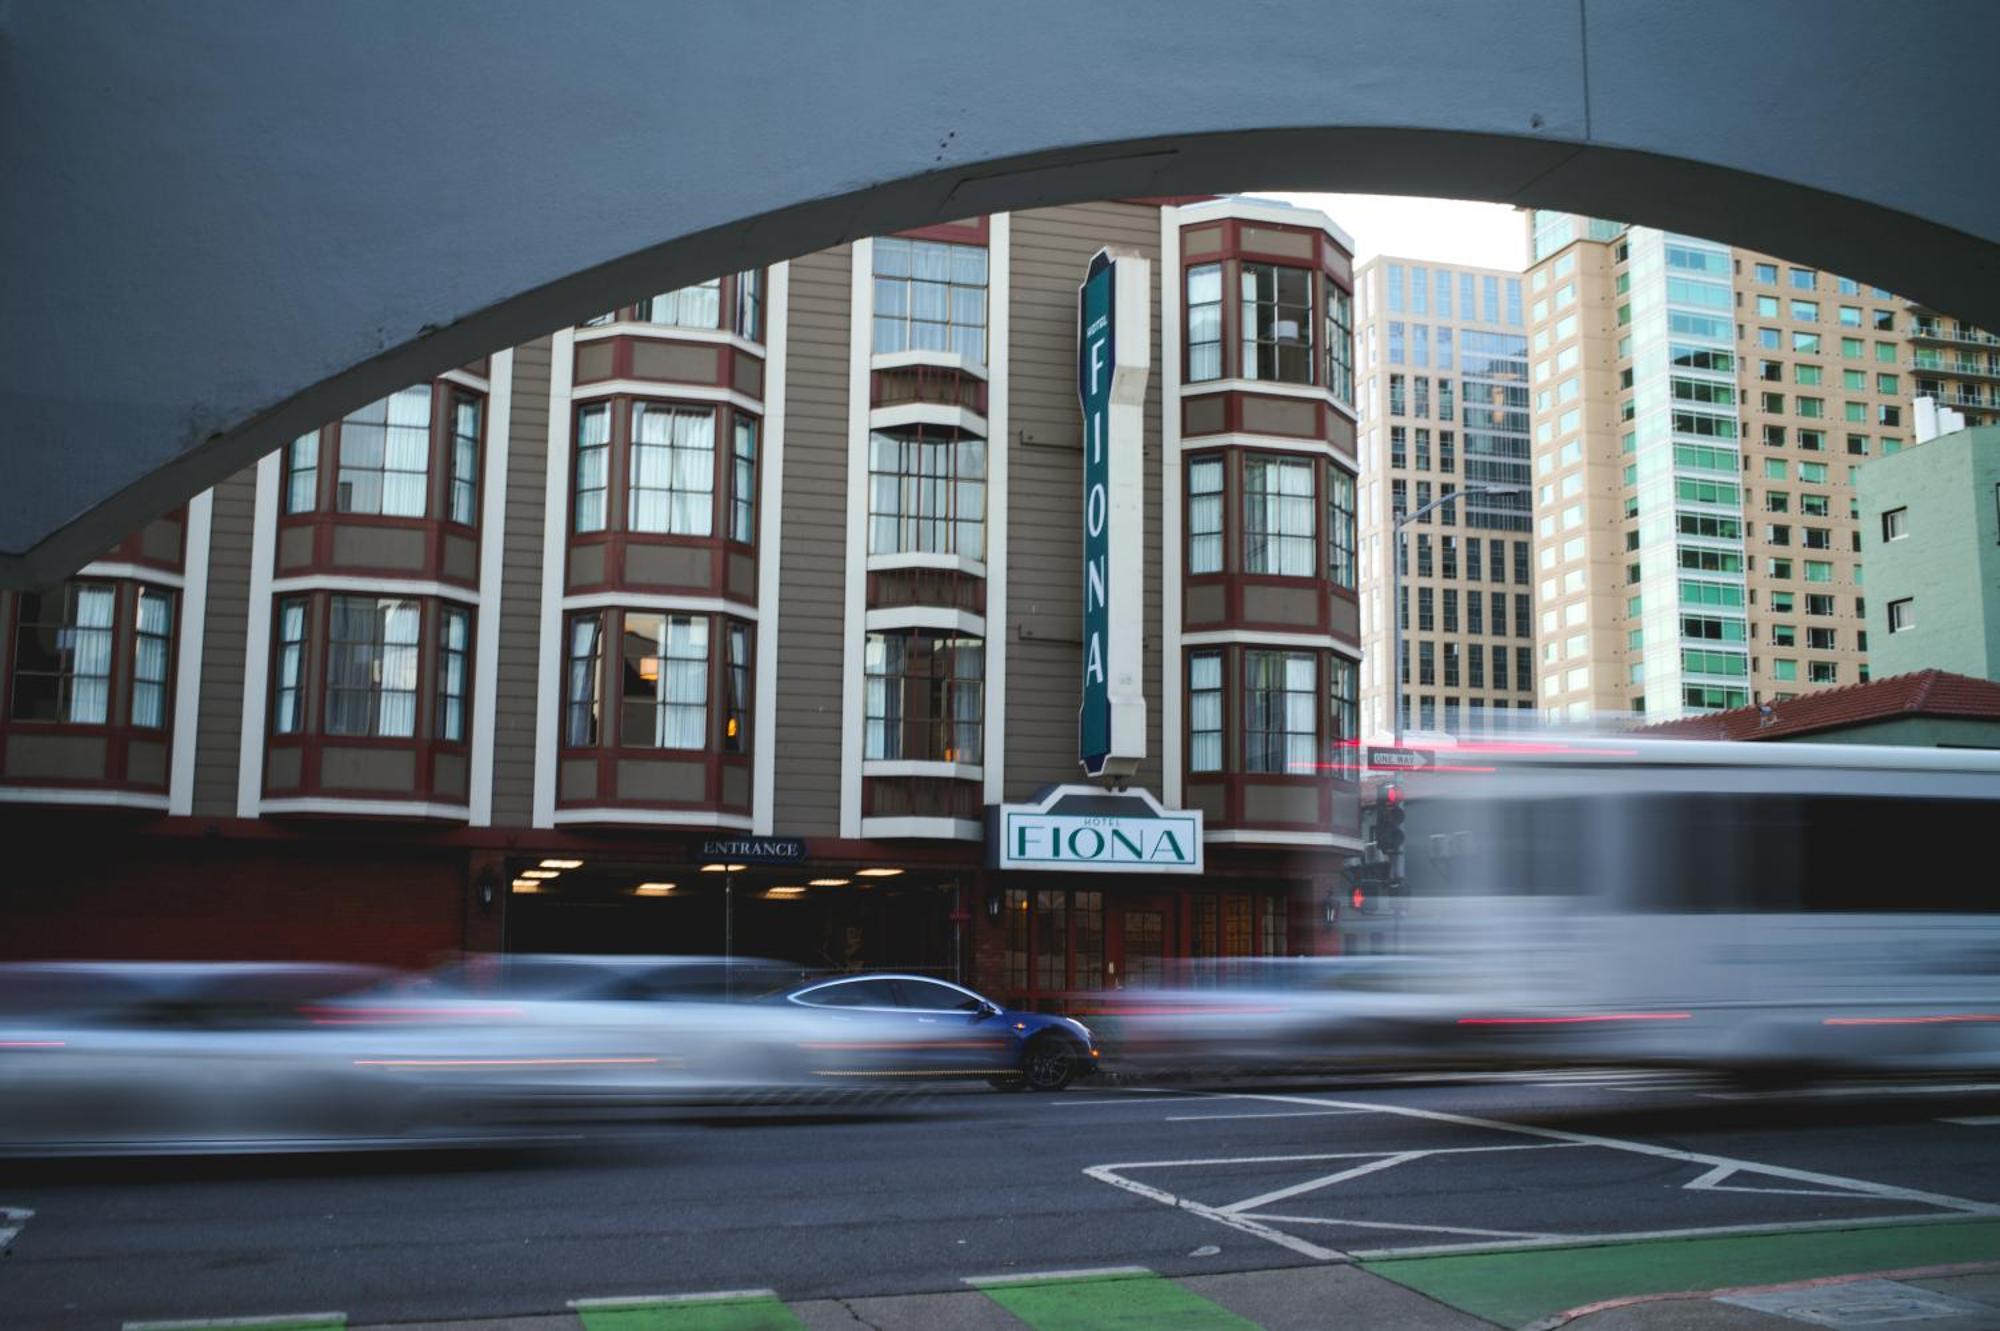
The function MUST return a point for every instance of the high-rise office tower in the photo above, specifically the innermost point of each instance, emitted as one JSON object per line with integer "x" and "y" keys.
{"x": 1443, "y": 402}
{"x": 1699, "y": 415}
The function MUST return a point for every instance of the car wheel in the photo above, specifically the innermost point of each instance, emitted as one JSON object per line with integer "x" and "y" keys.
{"x": 1048, "y": 1064}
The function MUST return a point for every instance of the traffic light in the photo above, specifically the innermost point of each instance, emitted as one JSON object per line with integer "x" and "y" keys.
{"x": 1367, "y": 887}
{"x": 1389, "y": 814}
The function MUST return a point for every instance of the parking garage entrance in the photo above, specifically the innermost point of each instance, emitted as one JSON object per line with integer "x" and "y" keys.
{"x": 819, "y": 916}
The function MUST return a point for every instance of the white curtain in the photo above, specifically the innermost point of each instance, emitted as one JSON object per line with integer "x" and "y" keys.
{"x": 593, "y": 436}
{"x": 406, "y": 453}
{"x": 398, "y": 669}
{"x": 673, "y": 471}
{"x": 291, "y": 658}
{"x": 149, "y": 663}
{"x": 698, "y": 306}
{"x": 90, "y": 656}
{"x": 1301, "y": 698}
{"x": 683, "y": 696}
{"x": 1205, "y": 712}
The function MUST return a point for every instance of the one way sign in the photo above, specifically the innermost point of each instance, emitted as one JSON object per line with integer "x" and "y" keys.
{"x": 1386, "y": 757}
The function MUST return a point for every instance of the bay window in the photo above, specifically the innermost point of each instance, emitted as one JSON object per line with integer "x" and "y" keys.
{"x": 924, "y": 697}
{"x": 664, "y": 681}
{"x": 698, "y": 306}
{"x": 583, "y": 682}
{"x": 736, "y": 691}
{"x": 371, "y": 671}
{"x": 1205, "y": 487}
{"x": 62, "y": 654}
{"x": 1278, "y": 516}
{"x": 593, "y": 470}
{"x": 1276, "y": 323}
{"x": 454, "y": 645}
{"x": 1340, "y": 528}
{"x": 465, "y": 413}
{"x": 671, "y": 490}
{"x": 1204, "y": 322}
{"x": 302, "y": 473}
{"x": 743, "y": 482}
{"x": 750, "y": 304}
{"x": 288, "y": 714}
{"x": 1340, "y": 343}
{"x": 1205, "y": 712}
{"x": 385, "y": 450}
{"x": 926, "y": 492}
{"x": 152, "y": 636}
{"x": 1280, "y": 702}
{"x": 930, "y": 296}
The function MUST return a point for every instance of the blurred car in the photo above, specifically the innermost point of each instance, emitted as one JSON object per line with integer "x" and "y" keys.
{"x": 939, "y": 1029}
{"x": 1268, "y": 1016}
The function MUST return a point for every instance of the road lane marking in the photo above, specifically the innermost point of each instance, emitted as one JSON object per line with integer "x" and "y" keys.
{"x": 1258, "y": 1202}
{"x": 1291, "y": 1113}
{"x": 1248, "y": 1216}
{"x": 278, "y": 1322}
{"x": 1975, "y": 1121}
{"x": 1120, "y": 1296}
{"x": 1398, "y": 1224}
{"x": 12, "y": 1220}
{"x": 1073, "y": 1273}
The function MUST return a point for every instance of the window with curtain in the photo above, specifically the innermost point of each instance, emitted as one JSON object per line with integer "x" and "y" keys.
{"x": 1278, "y": 516}
{"x": 465, "y": 413}
{"x": 1280, "y": 702}
{"x": 152, "y": 636}
{"x": 62, "y": 655}
{"x": 302, "y": 473}
{"x": 1340, "y": 341}
{"x": 593, "y": 477}
{"x": 1343, "y": 705}
{"x": 672, "y": 476}
{"x": 583, "y": 682}
{"x": 926, "y": 492}
{"x": 664, "y": 690}
{"x": 1277, "y": 323}
{"x": 698, "y": 306}
{"x": 750, "y": 304}
{"x": 1204, "y": 322}
{"x": 743, "y": 481}
{"x": 1340, "y": 527}
{"x": 1205, "y": 712}
{"x": 1205, "y": 515}
{"x": 736, "y": 691}
{"x": 930, "y": 296}
{"x": 454, "y": 650}
{"x": 385, "y": 456}
{"x": 371, "y": 666}
{"x": 288, "y": 716}
{"x": 924, "y": 697}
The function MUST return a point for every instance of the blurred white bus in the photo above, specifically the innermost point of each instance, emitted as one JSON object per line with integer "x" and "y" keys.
{"x": 1773, "y": 910}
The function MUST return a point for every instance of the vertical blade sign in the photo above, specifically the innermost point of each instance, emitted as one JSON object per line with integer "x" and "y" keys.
{"x": 1114, "y": 360}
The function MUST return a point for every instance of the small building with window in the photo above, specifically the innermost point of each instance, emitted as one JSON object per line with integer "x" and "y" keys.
{"x": 723, "y": 621}
{"x": 1930, "y": 535}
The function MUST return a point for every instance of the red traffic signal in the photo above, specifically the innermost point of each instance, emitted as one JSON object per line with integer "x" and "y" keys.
{"x": 1389, "y": 815}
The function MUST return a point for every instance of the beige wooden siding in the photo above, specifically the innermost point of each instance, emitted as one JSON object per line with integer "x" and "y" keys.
{"x": 521, "y": 590}
{"x": 219, "y": 728}
{"x": 1051, "y": 248}
{"x": 813, "y": 549}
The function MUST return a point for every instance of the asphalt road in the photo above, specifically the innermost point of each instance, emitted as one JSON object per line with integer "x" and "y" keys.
{"x": 967, "y": 1183}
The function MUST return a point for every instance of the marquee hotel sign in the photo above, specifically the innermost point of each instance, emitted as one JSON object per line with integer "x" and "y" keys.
{"x": 1084, "y": 829}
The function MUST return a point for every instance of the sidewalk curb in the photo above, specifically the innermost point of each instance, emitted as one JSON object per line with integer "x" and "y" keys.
{"x": 1562, "y": 1319}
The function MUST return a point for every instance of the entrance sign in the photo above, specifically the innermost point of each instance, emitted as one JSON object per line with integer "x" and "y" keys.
{"x": 755, "y": 849}
{"x": 1081, "y": 829}
{"x": 1113, "y": 360}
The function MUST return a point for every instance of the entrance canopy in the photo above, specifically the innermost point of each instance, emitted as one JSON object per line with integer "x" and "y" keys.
{"x": 227, "y": 223}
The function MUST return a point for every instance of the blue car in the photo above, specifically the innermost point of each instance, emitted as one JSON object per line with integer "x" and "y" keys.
{"x": 952, "y": 1032}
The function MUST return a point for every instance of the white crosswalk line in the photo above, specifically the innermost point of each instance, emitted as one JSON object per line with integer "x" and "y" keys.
{"x": 12, "y": 1218}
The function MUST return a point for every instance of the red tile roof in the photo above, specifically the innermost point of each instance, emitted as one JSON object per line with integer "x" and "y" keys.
{"x": 1922, "y": 693}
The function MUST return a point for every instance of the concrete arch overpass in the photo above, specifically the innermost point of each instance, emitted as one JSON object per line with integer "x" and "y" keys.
{"x": 228, "y": 221}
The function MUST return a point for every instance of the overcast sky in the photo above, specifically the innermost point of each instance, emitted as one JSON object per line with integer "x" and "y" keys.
{"x": 1485, "y": 235}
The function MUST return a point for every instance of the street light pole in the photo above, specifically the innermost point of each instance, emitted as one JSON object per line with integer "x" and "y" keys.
{"x": 1396, "y": 591}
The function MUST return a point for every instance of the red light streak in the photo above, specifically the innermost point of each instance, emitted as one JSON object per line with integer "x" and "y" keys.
{"x": 1575, "y": 1020}
{"x": 34, "y": 1044}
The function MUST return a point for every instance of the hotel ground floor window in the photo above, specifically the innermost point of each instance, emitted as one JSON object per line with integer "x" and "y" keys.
{"x": 1063, "y": 941}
